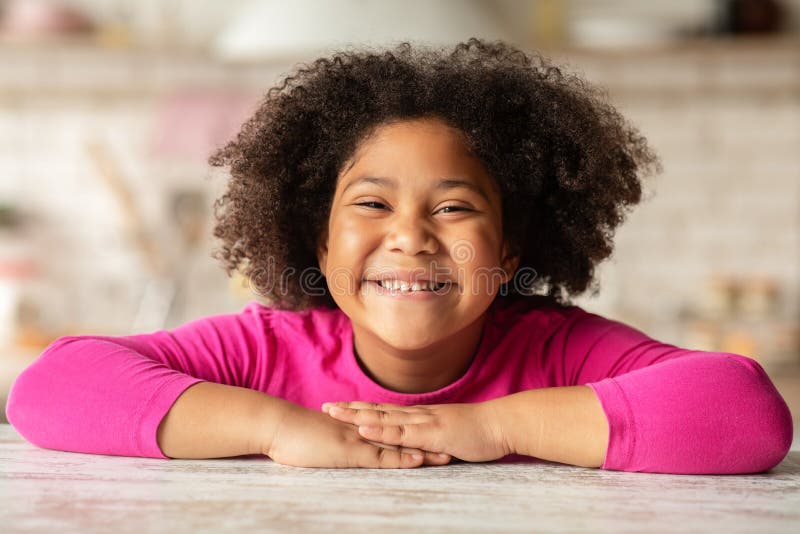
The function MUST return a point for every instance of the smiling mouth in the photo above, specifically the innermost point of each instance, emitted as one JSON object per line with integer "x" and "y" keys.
{"x": 411, "y": 288}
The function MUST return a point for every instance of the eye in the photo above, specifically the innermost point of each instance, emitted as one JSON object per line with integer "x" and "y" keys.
{"x": 379, "y": 205}
{"x": 366, "y": 204}
{"x": 459, "y": 208}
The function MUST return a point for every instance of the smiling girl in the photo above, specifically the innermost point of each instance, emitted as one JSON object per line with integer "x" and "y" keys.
{"x": 417, "y": 221}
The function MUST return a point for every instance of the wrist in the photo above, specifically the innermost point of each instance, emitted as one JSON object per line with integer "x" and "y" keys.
{"x": 496, "y": 418}
{"x": 269, "y": 416}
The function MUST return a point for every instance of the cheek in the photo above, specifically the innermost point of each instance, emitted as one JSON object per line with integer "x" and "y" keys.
{"x": 350, "y": 238}
{"x": 477, "y": 248}
{"x": 478, "y": 262}
{"x": 346, "y": 251}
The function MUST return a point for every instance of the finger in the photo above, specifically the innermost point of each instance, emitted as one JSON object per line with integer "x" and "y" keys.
{"x": 433, "y": 458}
{"x": 410, "y": 435}
{"x": 361, "y": 405}
{"x": 365, "y": 416}
{"x": 430, "y": 458}
{"x": 392, "y": 447}
{"x": 377, "y": 456}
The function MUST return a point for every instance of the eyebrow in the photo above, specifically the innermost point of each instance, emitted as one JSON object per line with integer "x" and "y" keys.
{"x": 444, "y": 184}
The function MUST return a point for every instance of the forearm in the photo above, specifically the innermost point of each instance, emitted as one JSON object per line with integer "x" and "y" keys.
{"x": 704, "y": 413}
{"x": 560, "y": 424}
{"x": 212, "y": 420}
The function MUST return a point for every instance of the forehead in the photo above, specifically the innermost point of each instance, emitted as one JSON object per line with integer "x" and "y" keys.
{"x": 423, "y": 147}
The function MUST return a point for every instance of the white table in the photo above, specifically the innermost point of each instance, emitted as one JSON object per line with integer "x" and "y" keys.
{"x": 52, "y": 491}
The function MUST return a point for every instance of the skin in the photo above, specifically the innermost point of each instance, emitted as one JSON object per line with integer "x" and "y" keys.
{"x": 559, "y": 424}
{"x": 404, "y": 345}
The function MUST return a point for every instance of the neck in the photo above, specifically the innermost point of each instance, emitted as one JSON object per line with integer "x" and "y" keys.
{"x": 419, "y": 370}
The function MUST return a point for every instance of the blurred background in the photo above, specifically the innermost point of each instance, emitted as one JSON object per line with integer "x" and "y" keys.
{"x": 110, "y": 108}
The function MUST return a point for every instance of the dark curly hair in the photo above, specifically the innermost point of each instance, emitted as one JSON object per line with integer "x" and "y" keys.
{"x": 566, "y": 162}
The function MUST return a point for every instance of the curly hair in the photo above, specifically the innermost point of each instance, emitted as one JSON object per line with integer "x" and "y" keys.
{"x": 568, "y": 165}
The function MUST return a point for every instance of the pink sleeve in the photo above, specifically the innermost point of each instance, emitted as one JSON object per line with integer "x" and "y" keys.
{"x": 107, "y": 395}
{"x": 673, "y": 410}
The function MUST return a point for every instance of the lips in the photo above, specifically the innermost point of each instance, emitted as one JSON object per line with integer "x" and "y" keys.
{"x": 420, "y": 285}
{"x": 397, "y": 293}
{"x": 404, "y": 276}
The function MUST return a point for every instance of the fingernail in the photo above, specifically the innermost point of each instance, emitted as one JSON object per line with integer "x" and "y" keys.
{"x": 366, "y": 429}
{"x": 417, "y": 456}
{"x": 442, "y": 455}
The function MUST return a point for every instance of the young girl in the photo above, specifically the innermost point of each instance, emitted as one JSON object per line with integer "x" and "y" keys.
{"x": 418, "y": 221}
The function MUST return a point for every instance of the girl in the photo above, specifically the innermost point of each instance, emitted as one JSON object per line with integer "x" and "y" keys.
{"x": 418, "y": 221}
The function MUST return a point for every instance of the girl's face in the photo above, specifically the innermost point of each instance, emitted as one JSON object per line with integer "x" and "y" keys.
{"x": 412, "y": 205}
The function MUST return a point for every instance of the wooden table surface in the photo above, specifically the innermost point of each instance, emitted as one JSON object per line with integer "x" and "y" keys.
{"x": 52, "y": 491}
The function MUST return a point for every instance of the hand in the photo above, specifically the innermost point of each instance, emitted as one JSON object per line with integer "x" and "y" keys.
{"x": 467, "y": 431}
{"x": 308, "y": 438}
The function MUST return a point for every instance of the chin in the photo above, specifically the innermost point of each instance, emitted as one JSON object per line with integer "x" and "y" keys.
{"x": 403, "y": 342}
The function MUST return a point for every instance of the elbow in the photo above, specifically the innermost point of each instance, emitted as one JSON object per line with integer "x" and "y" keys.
{"x": 773, "y": 432}
{"x": 776, "y": 436}
{"x": 778, "y": 432}
{"x": 21, "y": 405}
{"x": 32, "y": 407}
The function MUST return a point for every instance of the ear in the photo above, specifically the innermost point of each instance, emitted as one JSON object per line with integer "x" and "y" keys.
{"x": 509, "y": 263}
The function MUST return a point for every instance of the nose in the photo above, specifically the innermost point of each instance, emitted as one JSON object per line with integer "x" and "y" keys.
{"x": 410, "y": 235}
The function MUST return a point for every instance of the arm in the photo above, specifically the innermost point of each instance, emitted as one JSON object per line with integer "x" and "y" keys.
{"x": 669, "y": 410}
{"x": 108, "y": 395}
{"x": 195, "y": 391}
{"x": 561, "y": 424}
{"x": 704, "y": 413}
{"x": 215, "y": 420}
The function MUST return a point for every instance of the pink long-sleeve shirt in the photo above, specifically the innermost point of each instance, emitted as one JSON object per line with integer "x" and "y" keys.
{"x": 669, "y": 409}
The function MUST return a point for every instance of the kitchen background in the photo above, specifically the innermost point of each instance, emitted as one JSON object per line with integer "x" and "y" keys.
{"x": 109, "y": 109}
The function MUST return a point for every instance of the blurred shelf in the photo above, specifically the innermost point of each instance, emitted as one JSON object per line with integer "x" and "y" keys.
{"x": 81, "y": 67}
{"x": 787, "y": 44}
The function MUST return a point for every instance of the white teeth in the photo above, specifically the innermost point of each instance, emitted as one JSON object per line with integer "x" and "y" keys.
{"x": 396, "y": 285}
